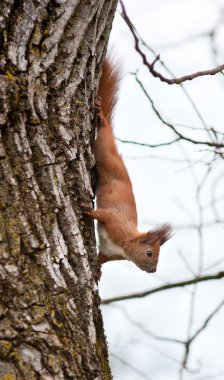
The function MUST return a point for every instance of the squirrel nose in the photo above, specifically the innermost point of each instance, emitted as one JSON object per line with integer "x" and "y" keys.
{"x": 151, "y": 269}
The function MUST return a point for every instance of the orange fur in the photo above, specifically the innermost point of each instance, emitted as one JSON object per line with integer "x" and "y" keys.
{"x": 108, "y": 89}
{"x": 116, "y": 208}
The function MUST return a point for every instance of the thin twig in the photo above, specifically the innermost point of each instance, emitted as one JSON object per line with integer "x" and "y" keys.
{"x": 129, "y": 365}
{"x": 170, "y": 125}
{"x": 204, "y": 325}
{"x": 148, "y": 145}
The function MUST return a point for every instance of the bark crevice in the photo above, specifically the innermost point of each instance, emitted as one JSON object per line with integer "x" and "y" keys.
{"x": 50, "y": 60}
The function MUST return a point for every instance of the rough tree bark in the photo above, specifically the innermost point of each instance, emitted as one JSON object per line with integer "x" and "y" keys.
{"x": 51, "y": 53}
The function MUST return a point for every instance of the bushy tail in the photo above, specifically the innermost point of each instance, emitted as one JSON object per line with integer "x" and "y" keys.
{"x": 108, "y": 88}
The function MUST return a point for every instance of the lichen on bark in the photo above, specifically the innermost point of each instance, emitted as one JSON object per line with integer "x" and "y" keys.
{"x": 50, "y": 60}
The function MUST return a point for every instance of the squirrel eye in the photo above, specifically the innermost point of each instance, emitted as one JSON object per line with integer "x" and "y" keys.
{"x": 149, "y": 253}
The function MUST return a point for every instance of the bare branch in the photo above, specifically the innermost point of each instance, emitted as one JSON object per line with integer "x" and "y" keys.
{"x": 180, "y": 136}
{"x": 187, "y": 264}
{"x": 129, "y": 365}
{"x": 194, "y": 336}
{"x": 213, "y": 313}
{"x": 195, "y": 108}
{"x": 146, "y": 331}
{"x": 148, "y": 145}
{"x": 188, "y": 341}
{"x": 150, "y": 66}
{"x": 195, "y": 280}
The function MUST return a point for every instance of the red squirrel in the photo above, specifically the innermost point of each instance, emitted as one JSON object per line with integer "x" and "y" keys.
{"x": 116, "y": 212}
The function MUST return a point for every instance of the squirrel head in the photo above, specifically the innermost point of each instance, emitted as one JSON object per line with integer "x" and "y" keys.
{"x": 144, "y": 250}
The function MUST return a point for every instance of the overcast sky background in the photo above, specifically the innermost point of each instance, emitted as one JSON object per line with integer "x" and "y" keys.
{"x": 165, "y": 191}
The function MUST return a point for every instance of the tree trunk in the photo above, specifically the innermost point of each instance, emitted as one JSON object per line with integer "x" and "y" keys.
{"x": 51, "y": 53}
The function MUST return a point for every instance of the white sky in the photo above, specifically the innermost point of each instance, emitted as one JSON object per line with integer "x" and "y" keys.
{"x": 166, "y": 191}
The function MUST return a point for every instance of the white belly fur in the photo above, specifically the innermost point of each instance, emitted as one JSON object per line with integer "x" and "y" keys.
{"x": 107, "y": 246}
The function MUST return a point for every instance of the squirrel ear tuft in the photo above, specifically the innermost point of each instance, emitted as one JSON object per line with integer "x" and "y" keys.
{"x": 163, "y": 232}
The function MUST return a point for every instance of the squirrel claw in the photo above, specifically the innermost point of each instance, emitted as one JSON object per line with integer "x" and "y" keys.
{"x": 98, "y": 107}
{"x": 86, "y": 208}
{"x": 98, "y": 104}
{"x": 98, "y": 111}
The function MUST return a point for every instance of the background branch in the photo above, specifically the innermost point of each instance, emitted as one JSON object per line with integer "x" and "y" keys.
{"x": 150, "y": 66}
{"x": 195, "y": 280}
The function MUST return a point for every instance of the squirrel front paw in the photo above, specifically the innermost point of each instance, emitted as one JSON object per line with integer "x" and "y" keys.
{"x": 99, "y": 118}
{"x": 98, "y": 105}
{"x": 86, "y": 208}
